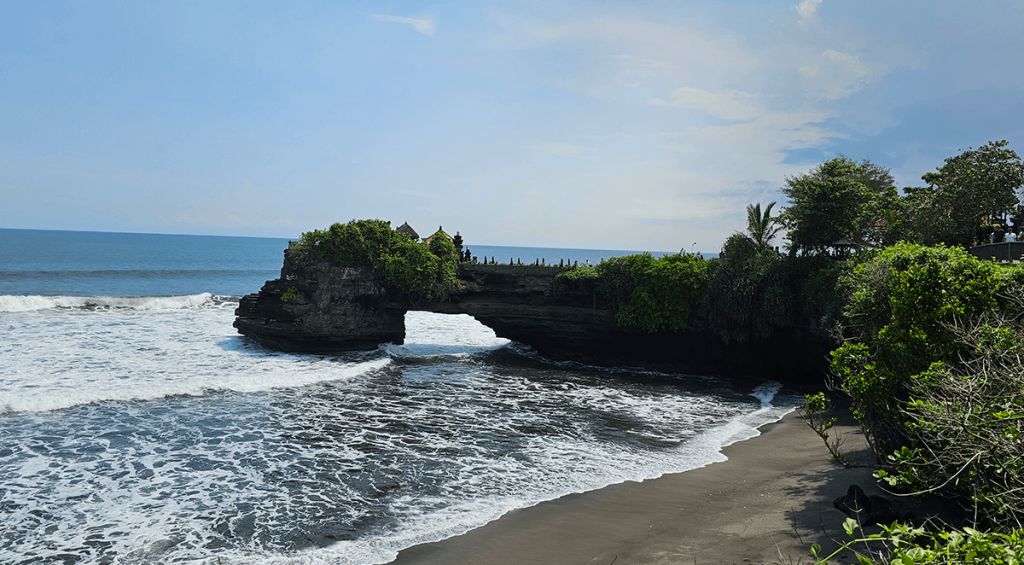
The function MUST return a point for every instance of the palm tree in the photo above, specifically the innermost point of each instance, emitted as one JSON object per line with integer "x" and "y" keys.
{"x": 762, "y": 227}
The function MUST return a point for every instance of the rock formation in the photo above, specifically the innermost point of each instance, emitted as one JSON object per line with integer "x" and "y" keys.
{"x": 343, "y": 309}
{"x": 337, "y": 309}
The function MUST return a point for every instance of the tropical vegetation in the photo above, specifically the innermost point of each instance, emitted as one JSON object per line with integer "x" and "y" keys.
{"x": 648, "y": 293}
{"x": 416, "y": 269}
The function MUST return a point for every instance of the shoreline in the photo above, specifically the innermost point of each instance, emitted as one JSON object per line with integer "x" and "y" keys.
{"x": 767, "y": 503}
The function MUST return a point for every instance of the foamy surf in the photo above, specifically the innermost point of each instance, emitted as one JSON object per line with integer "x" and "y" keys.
{"x": 593, "y": 466}
{"x": 15, "y": 304}
{"x": 145, "y": 349}
{"x": 160, "y": 435}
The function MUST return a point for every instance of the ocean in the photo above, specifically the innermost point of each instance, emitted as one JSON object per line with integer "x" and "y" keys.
{"x": 136, "y": 425}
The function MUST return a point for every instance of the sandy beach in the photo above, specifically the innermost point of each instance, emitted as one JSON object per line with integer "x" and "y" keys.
{"x": 767, "y": 504}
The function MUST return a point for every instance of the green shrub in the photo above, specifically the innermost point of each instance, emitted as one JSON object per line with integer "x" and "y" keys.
{"x": 749, "y": 297}
{"x": 934, "y": 371}
{"x": 415, "y": 269}
{"x": 817, "y": 413}
{"x": 291, "y": 295}
{"x": 901, "y": 305}
{"x": 359, "y": 243}
{"x": 909, "y": 545}
{"x": 965, "y": 423}
{"x": 648, "y": 293}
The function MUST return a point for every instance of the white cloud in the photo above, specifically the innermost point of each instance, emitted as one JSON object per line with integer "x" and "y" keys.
{"x": 836, "y": 75}
{"x": 426, "y": 26}
{"x": 732, "y": 105}
{"x": 807, "y": 8}
{"x": 564, "y": 149}
{"x": 756, "y": 101}
{"x": 636, "y": 47}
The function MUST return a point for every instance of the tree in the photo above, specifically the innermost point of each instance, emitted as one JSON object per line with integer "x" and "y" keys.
{"x": 901, "y": 306}
{"x": 841, "y": 199}
{"x": 826, "y": 205}
{"x": 969, "y": 190}
{"x": 748, "y": 297}
{"x": 881, "y": 222}
{"x": 762, "y": 227}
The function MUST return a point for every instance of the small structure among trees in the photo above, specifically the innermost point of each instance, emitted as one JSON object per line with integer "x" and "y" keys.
{"x": 457, "y": 241}
{"x": 407, "y": 230}
{"x": 440, "y": 232}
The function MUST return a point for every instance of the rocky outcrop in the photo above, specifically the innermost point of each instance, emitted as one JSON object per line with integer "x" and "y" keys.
{"x": 336, "y": 309}
{"x": 345, "y": 309}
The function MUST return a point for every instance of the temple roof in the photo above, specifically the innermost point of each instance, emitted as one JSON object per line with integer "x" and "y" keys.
{"x": 441, "y": 231}
{"x": 407, "y": 230}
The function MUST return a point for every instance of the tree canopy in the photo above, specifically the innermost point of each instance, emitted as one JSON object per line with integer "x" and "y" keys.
{"x": 970, "y": 189}
{"x": 416, "y": 269}
{"x": 837, "y": 200}
{"x": 841, "y": 199}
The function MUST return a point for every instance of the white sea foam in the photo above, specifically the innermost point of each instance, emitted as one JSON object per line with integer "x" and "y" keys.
{"x": 399, "y": 447}
{"x": 143, "y": 349}
{"x": 12, "y": 304}
{"x": 555, "y": 466}
{"x": 429, "y": 335}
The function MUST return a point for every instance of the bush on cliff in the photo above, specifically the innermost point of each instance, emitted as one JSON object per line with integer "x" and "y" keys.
{"x": 754, "y": 291}
{"x": 359, "y": 243}
{"x": 648, "y": 293}
{"x": 748, "y": 297}
{"x": 416, "y": 269}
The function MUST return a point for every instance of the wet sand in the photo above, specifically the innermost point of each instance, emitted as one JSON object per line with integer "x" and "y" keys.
{"x": 767, "y": 504}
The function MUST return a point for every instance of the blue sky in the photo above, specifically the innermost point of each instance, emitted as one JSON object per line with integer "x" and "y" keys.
{"x": 639, "y": 125}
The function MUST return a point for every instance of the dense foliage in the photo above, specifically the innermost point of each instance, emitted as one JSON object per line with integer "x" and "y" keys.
{"x": 291, "y": 295}
{"x": 931, "y": 337}
{"x": 969, "y": 189}
{"x": 933, "y": 368}
{"x": 965, "y": 424}
{"x": 901, "y": 303}
{"x": 652, "y": 294}
{"x": 417, "y": 269}
{"x": 910, "y": 545}
{"x": 749, "y": 296}
{"x": 838, "y": 200}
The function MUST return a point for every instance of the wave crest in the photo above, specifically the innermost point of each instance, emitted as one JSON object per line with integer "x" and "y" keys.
{"x": 9, "y": 304}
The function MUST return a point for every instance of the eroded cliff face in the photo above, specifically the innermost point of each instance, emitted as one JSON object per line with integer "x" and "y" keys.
{"x": 338, "y": 309}
{"x": 528, "y": 305}
{"x": 344, "y": 309}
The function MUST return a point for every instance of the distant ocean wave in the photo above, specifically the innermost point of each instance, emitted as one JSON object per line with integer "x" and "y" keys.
{"x": 11, "y": 304}
{"x": 139, "y": 273}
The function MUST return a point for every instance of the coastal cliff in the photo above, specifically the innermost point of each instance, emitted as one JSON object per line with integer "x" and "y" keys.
{"x": 316, "y": 307}
{"x": 330, "y": 309}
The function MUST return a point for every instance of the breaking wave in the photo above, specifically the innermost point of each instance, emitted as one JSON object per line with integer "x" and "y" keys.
{"x": 12, "y": 304}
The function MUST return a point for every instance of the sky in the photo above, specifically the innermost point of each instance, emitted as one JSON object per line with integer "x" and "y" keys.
{"x": 636, "y": 125}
